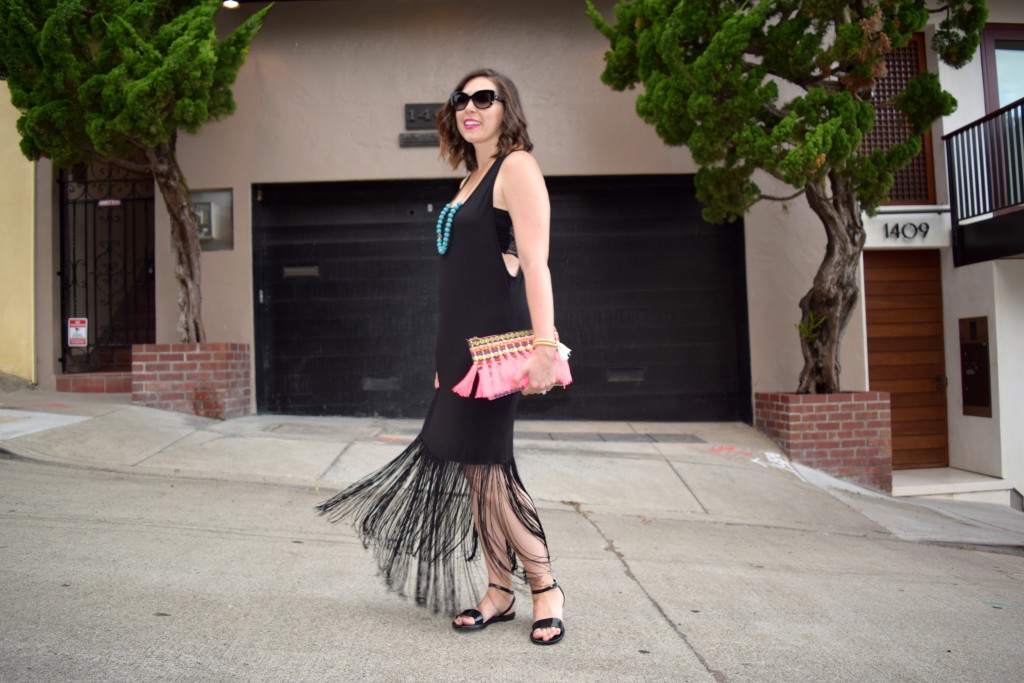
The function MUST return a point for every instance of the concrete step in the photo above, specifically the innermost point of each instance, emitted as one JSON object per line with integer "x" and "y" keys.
{"x": 950, "y": 483}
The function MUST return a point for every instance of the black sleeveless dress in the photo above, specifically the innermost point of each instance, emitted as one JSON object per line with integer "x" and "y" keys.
{"x": 418, "y": 511}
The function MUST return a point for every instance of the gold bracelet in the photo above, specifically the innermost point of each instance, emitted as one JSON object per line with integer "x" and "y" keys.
{"x": 545, "y": 342}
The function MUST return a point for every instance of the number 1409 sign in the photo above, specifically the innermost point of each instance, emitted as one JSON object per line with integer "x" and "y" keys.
{"x": 905, "y": 231}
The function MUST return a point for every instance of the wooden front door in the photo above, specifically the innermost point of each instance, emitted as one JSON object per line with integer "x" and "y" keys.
{"x": 903, "y": 300}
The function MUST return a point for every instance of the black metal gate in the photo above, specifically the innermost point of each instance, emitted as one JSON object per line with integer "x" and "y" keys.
{"x": 106, "y": 267}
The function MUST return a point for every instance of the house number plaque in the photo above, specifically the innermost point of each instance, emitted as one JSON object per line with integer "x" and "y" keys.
{"x": 421, "y": 116}
{"x": 905, "y": 231}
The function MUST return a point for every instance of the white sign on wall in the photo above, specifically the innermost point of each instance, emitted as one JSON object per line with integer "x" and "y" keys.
{"x": 78, "y": 331}
{"x": 908, "y": 229}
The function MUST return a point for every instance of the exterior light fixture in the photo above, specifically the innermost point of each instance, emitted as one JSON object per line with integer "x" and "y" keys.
{"x": 230, "y": 4}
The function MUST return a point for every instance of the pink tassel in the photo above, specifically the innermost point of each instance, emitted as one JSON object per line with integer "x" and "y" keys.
{"x": 517, "y": 365}
{"x": 465, "y": 387}
{"x": 507, "y": 373}
{"x": 488, "y": 385}
{"x": 501, "y": 380}
{"x": 562, "y": 374}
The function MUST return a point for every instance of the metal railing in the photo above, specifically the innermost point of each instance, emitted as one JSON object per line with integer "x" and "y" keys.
{"x": 986, "y": 165}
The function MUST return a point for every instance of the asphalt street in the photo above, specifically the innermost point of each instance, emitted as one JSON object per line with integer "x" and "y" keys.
{"x": 123, "y": 576}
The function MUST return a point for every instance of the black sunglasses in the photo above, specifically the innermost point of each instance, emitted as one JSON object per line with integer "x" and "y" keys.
{"x": 481, "y": 98}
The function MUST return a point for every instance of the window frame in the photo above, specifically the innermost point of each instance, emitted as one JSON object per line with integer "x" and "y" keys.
{"x": 989, "y": 35}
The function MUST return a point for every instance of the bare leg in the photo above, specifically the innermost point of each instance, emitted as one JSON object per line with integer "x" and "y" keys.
{"x": 491, "y": 535}
{"x": 508, "y": 528}
{"x": 533, "y": 553}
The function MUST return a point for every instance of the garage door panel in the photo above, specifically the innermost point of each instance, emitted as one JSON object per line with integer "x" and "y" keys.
{"x": 690, "y": 305}
{"x": 651, "y": 299}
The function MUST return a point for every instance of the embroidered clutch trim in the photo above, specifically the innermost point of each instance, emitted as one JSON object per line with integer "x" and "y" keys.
{"x": 497, "y": 360}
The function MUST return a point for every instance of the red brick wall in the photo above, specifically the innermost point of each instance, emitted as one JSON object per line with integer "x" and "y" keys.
{"x": 847, "y": 435}
{"x": 210, "y": 379}
{"x": 96, "y": 383}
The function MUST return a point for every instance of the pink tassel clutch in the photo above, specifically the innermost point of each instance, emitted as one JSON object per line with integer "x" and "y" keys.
{"x": 497, "y": 360}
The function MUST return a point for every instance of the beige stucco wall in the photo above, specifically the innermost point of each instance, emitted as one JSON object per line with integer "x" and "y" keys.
{"x": 1005, "y": 11}
{"x": 321, "y": 98}
{"x": 784, "y": 246}
{"x": 969, "y": 292}
{"x": 17, "y": 341}
{"x": 989, "y": 445}
{"x": 785, "y": 243}
{"x": 994, "y": 289}
{"x": 1009, "y": 296}
{"x": 49, "y": 326}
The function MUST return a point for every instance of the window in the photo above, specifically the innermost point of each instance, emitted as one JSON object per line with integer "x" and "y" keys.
{"x": 914, "y": 184}
{"x": 1002, "y": 54}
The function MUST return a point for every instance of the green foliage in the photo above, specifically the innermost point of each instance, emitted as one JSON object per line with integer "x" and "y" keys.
{"x": 108, "y": 78}
{"x": 959, "y": 33}
{"x": 923, "y": 101}
{"x": 811, "y": 328}
{"x": 779, "y": 85}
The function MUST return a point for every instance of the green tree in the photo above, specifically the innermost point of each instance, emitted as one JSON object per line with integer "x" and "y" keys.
{"x": 114, "y": 81}
{"x": 784, "y": 86}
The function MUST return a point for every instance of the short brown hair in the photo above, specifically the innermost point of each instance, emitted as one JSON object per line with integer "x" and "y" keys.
{"x": 455, "y": 150}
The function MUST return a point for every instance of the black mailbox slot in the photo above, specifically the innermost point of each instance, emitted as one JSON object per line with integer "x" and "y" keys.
{"x": 975, "y": 379}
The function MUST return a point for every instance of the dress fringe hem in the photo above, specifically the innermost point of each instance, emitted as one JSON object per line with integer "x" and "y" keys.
{"x": 426, "y": 518}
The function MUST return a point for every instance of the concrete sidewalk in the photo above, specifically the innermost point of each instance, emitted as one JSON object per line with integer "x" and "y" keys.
{"x": 689, "y": 551}
{"x": 601, "y": 464}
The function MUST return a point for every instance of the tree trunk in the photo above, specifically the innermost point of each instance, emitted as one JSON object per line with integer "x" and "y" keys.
{"x": 827, "y": 307}
{"x": 184, "y": 239}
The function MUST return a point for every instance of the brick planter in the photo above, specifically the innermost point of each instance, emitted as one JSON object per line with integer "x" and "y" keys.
{"x": 847, "y": 435}
{"x": 209, "y": 379}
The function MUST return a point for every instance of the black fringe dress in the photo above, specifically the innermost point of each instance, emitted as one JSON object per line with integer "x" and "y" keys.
{"x": 417, "y": 513}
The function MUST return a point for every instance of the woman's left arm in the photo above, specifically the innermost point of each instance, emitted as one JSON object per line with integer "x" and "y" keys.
{"x": 522, "y": 187}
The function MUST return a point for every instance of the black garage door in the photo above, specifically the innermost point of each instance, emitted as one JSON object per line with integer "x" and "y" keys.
{"x": 651, "y": 299}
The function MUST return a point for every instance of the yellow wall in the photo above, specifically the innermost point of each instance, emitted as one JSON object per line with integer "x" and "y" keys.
{"x": 16, "y": 251}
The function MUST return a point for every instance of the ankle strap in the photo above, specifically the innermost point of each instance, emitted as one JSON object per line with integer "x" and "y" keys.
{"x": 554, "y": 584}
{"x": 501, "y": 588}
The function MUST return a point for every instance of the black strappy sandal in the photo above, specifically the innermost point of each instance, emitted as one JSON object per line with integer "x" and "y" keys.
{"x": 553, "y": 622}
{"x": 478, "y": 618}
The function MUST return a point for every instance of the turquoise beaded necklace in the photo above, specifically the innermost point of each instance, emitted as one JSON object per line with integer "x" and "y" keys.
{"x": 444, "y": 225}
{"x": 448, "y": 211}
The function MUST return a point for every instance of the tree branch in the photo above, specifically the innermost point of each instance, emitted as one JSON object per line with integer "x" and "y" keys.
{"x": 781, "y": 199}
{"x": 132, "y": 166}
{"x": 774, "y": 111}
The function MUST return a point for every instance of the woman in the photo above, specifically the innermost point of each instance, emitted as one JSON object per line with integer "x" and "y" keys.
{"x": 456, "y": 488}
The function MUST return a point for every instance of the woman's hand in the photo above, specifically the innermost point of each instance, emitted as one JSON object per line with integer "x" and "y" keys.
{"x": 539, "y": 369}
